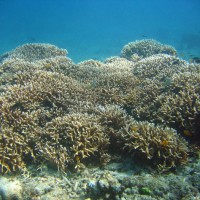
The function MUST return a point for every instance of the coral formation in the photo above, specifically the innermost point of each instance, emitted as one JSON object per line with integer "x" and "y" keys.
{"x": 180, "y": 108}
{"x": 26, "y": 108}
{"x": 161, "y": 145}
{"x": 35, "y": 51}
{"x": 145, "y": 48}
{"x": 159, "y": 66}
{"x": 71, "y": 139}
{"x": 71, "y": 115}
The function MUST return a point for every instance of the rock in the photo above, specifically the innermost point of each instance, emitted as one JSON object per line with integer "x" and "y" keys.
{"x": 10, "y": 189}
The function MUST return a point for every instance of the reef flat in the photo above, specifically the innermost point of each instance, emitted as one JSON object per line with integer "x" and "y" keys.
{"x": 125, "y": 128}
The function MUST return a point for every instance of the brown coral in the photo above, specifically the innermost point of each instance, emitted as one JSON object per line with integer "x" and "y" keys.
{"x": 180, "y": 108}
{"x": 163, "y": 146}
{"x": 71, "y": 139}
{"x": 74, "y": 114}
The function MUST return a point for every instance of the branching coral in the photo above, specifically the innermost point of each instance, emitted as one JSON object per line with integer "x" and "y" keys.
{"x": 180, "y": 108}
{"x": 140, "y": 100}
{"x": 10, "y": 68}
{"x": 145, "y": 48}
{"x": 159, "y": 67}
{"x": 112, "y": 116}
{"x": 71, "y": 139}
{"x": 35, "y": 51}
{"x": 163, "y": 146}
{"x": 26, "y": 107}
{"x": 74, "y": 114}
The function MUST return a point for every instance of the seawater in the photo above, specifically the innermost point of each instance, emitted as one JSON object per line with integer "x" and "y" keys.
{"x": 97, "y": 29}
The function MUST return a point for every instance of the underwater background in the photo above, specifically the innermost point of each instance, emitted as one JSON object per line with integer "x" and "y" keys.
{"x": 91, "y": 29}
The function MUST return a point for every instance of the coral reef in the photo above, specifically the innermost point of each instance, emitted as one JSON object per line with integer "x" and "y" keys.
{"x": 26, "y": 108}
{"x": 140, "y": 101}
{"x": 74, "y": 115}
{"x": 119, "y": 124}
{"x": 145, "y": 48}
{"x": 10, "y": 68}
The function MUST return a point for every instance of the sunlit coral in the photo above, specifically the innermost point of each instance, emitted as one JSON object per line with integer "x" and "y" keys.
{"x": 145, "y": 48}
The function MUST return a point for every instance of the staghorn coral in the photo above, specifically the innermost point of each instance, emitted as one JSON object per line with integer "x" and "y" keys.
{"x": 35, "y": 51}
{"x": 71, "y": 139}
{"x": 13, "y": 149}
{"x": 112, "y": 116}
{"x": 145, "y": 48}
{"x": 174, "y": 103}
{"x": 165, "y": 79}
{"x": 17, "y": 136}
{"x": 107, "y": 82}
{"x": 25, "y": 109}
{"x": 140, "y": 100}
{"x": 74, "y": 114}
{"x": 10, "y": 68}
{"x": 58, "y": 64}
{"x": 163, "y": 146}
{"x": 114, "y": 82}
{"x": 180, "y": 107}
{"x": 160, "y": 66}
{"x": 51, "y": 91}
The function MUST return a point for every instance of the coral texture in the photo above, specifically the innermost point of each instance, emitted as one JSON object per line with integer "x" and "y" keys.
{"x": 35, "y": 51}
{"x": 161, "y": 145}
{"x": 145, "y": 48}
{"x": 71, "y": 139}
{"x": 73, "y": 115}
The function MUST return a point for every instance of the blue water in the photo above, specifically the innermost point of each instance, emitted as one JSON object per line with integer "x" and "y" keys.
{"x": 100, "y": 28}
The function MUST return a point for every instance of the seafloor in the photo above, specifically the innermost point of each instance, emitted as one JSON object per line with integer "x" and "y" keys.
{"x": 125, "y": 128}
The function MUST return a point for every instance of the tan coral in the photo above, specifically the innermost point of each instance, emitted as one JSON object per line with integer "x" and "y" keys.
{"x": 180, "y": 108}
{"x": 140, "y": 100}
{"x": 163, "y": 146}
{"x": 80, "y": 134}
{"x": 146, "y": 48}
{"x": 35, "y": 51}
{"x": 160, "y": 66}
